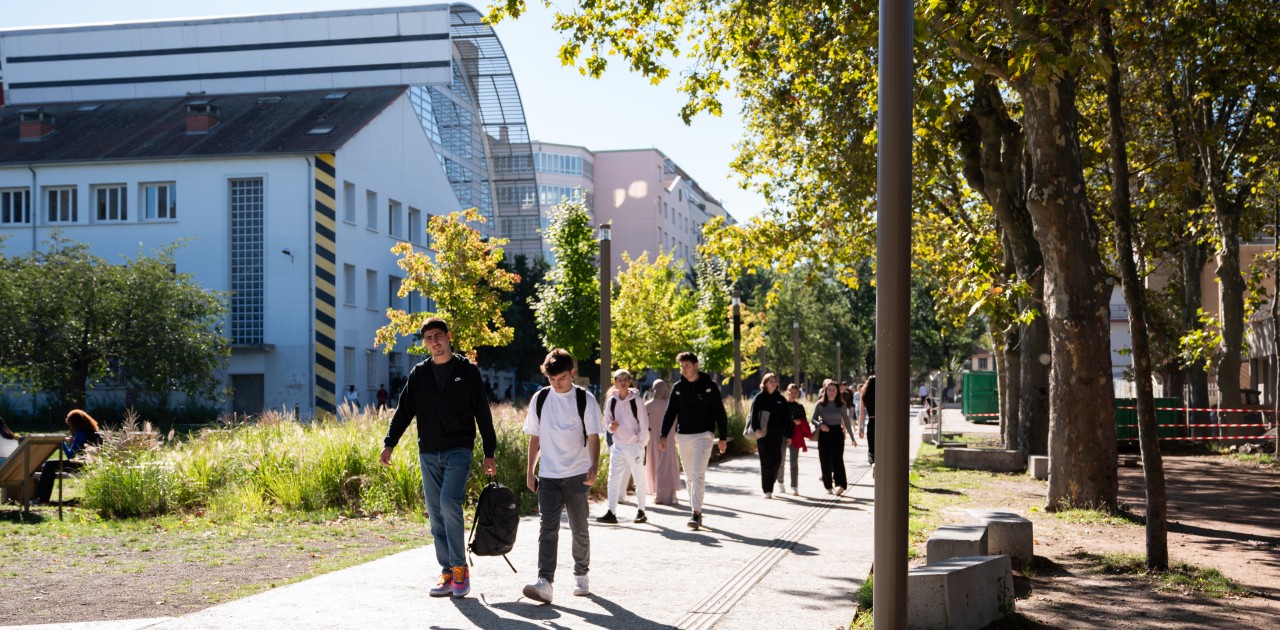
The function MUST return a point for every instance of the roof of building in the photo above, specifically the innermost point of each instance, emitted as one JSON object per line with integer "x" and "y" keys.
{"x": 249, "y": 124}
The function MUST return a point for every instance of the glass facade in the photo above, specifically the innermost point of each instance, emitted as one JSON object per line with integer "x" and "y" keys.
{"x": 246, "y": 261}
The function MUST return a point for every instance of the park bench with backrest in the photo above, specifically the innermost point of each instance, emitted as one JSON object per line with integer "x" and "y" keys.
{"x": 18, "y": 472}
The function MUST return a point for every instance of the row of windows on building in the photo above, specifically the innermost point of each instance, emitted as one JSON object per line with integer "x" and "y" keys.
{"x": 553, "y": 163}
{"x": 415, "y": 303}
{"x": 109, "y": 203}
{"x": 407, "y": 227}
{"x": 395, "y": 370}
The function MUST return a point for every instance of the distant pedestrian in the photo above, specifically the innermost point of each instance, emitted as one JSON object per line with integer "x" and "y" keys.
{"x": 446, "y": 394}
{"x": 627, "y": 420}
{"x": 846, "y": 395}
{"x": 770, "y": 419}
{"x": 697, "y": 404}
{"x": 867, "y": 417}
{"x": 506, "y": 395}
{"x": 383, "y": 396}
{"x": 661, "y": 468}
{"x": 352, "y": 397}
{"x": 831, "y": 418}
{"x": 563, "y": 423}
{"x": 923, "y": 393}
{"x": 796, "y": 439}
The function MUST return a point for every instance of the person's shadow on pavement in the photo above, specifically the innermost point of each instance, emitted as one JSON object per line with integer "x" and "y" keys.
{"x": 615, "y": 616}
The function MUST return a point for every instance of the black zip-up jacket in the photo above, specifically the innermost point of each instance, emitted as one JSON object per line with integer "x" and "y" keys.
{"x": 698, "y": 405}
{"x": 447, "y": 413}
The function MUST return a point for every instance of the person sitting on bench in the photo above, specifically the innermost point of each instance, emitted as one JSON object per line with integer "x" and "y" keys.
{"x": 84, "y": 430}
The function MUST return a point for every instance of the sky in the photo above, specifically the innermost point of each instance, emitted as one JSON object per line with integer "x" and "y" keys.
{"x": 620, "y": 111}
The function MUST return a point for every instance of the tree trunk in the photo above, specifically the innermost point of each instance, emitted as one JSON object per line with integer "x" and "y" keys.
{"x": 1121, "y": 211}
{"x": 1010, "y": 388}
{"x": 1231, "y": 309}
{"x": 996, "y": 163}
{"x": 1082, "y": 430}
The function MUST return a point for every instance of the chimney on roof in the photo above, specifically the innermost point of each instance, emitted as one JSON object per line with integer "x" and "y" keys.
{"x": 504, "y": 136}
{"x": 34, "y": 125}
{"x": 202, "y": 115}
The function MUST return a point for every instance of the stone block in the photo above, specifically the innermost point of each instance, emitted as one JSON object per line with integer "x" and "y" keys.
{"x": 966, "y": 593}
{"x": 989, "y": 459}
{"x": 956, "y": 541}
{"x": 1007, "y": 533}
{"x": 1038, "y": 466}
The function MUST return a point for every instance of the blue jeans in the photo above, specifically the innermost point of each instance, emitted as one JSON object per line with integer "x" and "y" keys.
{"x": 444, "y": 484}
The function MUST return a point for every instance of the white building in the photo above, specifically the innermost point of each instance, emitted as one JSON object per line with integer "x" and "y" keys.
{"x": 293, "y": 150}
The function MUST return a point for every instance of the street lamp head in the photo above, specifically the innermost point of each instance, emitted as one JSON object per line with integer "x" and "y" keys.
{"x": 795, "y": 325}
{"x": 606, "y": 231}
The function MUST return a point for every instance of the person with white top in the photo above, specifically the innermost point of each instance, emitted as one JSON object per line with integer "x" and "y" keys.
{"x": 563, "y": 424}
{"x": 628, "y": 422}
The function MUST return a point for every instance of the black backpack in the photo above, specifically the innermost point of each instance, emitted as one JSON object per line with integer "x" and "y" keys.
{"x": 540, "y": 399}
{"x": 613, "y": 407}
{"x": 493, "y": 532}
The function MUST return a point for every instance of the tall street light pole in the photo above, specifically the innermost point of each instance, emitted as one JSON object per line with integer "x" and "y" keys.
{"x": 737, "y": 351}
{"x": 606, "y": 306}
{"x": 795, "y": 354}
{"x": 893, "y": 286}
{"x": 839, "y": 374}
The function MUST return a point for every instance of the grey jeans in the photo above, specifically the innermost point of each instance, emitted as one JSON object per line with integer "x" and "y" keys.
{"x": 554, "y": 497}
{"x": 795, "y": 463}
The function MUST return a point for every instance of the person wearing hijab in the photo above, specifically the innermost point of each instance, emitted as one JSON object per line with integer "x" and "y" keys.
{"x": 662, "y": 467}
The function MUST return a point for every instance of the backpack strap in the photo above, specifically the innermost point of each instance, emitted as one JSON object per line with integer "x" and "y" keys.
{"x": 582, "y": 411}
{"x": 539, "y": 400}
{"x": 635, "y": 412}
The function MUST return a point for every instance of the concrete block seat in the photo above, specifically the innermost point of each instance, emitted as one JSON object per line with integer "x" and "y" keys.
{"x": 956, "y": 541}
{"x": 1007, "y": 533}
{"x": 965, "y": 593}
{"x": 1038, "y": 466}
{"x": 988, "y": 459}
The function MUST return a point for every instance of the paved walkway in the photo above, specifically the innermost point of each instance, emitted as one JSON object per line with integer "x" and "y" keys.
{"x": 786, "y": 562}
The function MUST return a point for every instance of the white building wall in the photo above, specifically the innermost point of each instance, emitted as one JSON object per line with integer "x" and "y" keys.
{"x": 391, "y": 156}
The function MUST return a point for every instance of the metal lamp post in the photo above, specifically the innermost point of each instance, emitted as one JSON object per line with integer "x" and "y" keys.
{"x": 737, "y": 351}
{"x": 795, "y": 354}
{"x": 839, "y": 374}
{"x": 606, "y": 296}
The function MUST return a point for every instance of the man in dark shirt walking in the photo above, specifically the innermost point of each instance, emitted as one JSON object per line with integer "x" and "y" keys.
{"x": 696, "y": 403}
{"x": 447, "y": 395}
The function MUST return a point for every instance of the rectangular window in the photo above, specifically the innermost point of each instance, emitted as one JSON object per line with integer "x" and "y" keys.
{"x": 393, "y": 293}
{"x": 62, "y": 205}
{"x": 348, "y": 368}
{"x": 522, "y": 195}
{"x": 15, "y": 206}
{"x": 415, "y": 226}
{"x": 348, "y": 202}
{"x": 371, "y": 209}
{"x": 370, "y": 374}
{"x": 349, "y": 285}
{"x": 110, "y": 203}
{"x": 395, "y": 219}
{"x": 160, "y": 201}
{"x": 371, "y": 289}
{"x": 247, "y": 210}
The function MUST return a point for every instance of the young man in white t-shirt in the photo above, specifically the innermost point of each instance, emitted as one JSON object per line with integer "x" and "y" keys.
{"x": 563, "y": 424}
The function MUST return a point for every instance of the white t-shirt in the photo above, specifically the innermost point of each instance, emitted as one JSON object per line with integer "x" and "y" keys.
{"x": 561, "y": 451}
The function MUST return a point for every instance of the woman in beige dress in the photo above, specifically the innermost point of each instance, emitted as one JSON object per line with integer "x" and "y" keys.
{"x": 662, "y": 467}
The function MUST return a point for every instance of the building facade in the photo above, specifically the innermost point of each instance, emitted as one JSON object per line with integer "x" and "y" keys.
{"x": 291, "y": 151}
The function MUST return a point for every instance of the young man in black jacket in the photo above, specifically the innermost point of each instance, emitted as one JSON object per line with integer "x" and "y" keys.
{"x": 448, "y": 396}
{"x": 696, "y": 402}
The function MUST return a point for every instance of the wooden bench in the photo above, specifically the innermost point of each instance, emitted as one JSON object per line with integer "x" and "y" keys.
{"x": 18, "y": 472}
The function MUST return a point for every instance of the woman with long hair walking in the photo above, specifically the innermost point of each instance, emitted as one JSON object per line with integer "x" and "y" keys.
{"x": 831, "y": 418}
{"x": 770, "y": 423}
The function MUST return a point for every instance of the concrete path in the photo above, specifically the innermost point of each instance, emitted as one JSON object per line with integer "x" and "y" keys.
{"x": 786, "y": 562}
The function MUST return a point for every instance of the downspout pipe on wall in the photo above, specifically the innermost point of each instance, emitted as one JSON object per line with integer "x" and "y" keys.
{"x": 309, "y": 220}
{"x": 34, "y": 204}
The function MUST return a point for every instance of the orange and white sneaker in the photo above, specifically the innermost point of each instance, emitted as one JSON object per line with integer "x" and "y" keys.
{"x": 444, "y": 585}
{"x": 461, "y": 581}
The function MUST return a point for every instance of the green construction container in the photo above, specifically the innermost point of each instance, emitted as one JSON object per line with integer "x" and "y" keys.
{"x": 979, "y": 395}
{"x": 1127, "y": 419}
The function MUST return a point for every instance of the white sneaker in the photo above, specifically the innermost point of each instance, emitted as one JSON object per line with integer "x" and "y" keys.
{"x": 539, "y": 591}
{"x": 782, "y": 489}
{"x": 580, "y": 586}
{"x": 795, "y": 491}
{"x": 768, "y": 495}
{"x": 839, "y": 490}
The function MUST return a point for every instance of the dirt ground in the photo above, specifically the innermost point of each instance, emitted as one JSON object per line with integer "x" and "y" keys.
{"x": 1222, "y": 514}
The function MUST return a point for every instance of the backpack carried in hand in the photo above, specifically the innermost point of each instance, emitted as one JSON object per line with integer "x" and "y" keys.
{"x": 493, "y": 532}
{"x": 540, "y": 399}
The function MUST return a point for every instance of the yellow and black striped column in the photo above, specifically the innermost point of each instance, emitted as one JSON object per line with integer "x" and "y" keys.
{"x": 326, "y": 238}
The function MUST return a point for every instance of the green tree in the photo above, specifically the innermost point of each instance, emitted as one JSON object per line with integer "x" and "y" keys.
{"x": 713, "y": 337}
{"x": 525, "y": 352}
{"x": 568, "y": 306}
{"x": 73, "y": 320}
{"x": 465, "y": 280}
{"x": 652, "y": 311}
